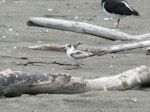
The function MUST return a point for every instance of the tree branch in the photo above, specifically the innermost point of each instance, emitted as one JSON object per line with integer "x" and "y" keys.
{"x": 100, "y": 51}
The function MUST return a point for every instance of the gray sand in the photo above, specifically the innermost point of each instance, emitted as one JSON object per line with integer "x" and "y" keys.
{"x": 15, "y": 35}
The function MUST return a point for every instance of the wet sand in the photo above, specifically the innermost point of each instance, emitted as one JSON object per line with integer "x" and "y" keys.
{"x": 15, "y": 36}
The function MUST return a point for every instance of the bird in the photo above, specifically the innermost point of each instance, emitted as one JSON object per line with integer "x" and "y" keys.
{"x": 77, "y": 55}
{"x": 118, "y": 9}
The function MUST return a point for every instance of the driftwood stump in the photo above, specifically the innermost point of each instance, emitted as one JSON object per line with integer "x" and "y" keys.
{"x": 14, "y": 83}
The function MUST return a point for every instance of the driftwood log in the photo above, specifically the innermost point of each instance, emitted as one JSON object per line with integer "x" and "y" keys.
{"x": 81, "y": 27}
{"x": 14, "y": 83}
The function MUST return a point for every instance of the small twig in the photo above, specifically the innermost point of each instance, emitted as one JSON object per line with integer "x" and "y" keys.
{"x": 61, "y": 63}
{"x": 33, "y": 63}
{"x": 50, "y": 16}
{"x": 36, "y": 63}
{"x": 67, "y": 65}
{"x": 20, "y": 57}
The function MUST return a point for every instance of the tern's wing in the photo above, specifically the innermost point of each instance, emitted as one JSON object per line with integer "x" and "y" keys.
{"x": 81, "y": 54}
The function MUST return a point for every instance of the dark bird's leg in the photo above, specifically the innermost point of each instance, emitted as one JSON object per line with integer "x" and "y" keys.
{"x": 118, "y": 22}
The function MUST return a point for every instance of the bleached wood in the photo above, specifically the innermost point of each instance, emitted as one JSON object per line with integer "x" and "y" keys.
{"x": 81, "y": 27}
{"x": 14, "y": 83}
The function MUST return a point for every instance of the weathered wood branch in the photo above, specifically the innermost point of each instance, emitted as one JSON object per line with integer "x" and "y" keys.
{"x": 81, "y": 27}
{"x": 14, "y": 83}
{"x": 100, "y": 51}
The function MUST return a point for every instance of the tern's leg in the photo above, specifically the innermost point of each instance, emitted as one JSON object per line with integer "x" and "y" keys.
{"x": 77, "y": 64}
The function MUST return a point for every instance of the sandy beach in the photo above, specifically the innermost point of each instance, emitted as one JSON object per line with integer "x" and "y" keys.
{"x": 16, "y": 36}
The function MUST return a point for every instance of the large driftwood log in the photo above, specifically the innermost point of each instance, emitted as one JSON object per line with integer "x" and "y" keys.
{"x": 81, "y": 27}
{"x": 13, "y": 83}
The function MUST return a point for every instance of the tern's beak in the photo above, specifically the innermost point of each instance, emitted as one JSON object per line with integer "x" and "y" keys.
{"x": 64, "y": 47}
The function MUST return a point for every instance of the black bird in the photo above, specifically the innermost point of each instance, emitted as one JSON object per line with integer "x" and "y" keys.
{"x": 118, "y": 9}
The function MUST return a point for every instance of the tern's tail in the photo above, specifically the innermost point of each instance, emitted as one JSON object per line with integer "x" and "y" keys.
{"x": 99, "y": 52}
